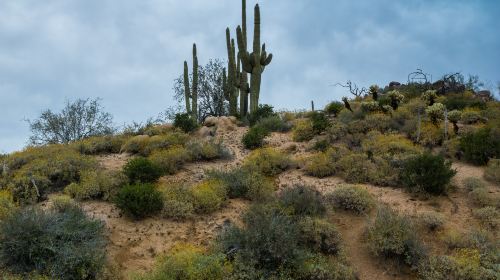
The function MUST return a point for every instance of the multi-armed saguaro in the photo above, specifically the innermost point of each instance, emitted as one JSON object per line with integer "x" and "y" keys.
{"x": 255, "y": 62}
{"x": 191, "y": 95}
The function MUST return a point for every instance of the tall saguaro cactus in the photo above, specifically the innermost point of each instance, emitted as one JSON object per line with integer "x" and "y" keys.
{"x": 191, "y": 95}
{"x": 231, "y": 82}
{"x": 255, "y": 62}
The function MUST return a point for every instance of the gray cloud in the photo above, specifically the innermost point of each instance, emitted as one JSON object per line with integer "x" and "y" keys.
{"x": 129, "y": 52}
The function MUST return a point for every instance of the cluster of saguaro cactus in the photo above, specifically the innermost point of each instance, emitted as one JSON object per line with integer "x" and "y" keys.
{"x": 255, "y": 62}
{"x": 191, "y": 94}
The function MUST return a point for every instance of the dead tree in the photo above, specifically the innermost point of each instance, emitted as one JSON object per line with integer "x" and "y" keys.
{"x": 353, "y": 88}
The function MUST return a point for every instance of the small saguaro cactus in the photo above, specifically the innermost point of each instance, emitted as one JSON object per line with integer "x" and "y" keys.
{"x": 191, "y": 94}
{"x": 255, "y": 62}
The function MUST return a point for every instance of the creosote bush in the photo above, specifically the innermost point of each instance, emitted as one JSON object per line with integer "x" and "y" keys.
{"x": 244, "y": 183}
{"x": 492, "y": 171}
{"x": 188, "y": 262}
{"x": 60, "y": 245}
{"x": 488, "y": 216}
{"x": 352, "y": 198}
{"x": 139, "y": 201}
{"x": 262, "y": 112}
{"x": 303, "y": 201}
{"x": 333, "y": 108}
{"x": 97, "y": 184}
{"x": 169, "y": 161}
{"x": 320, "y": 165}
{"x": 303, "y": 130}
{"x": 254, "y": 138}
{"x": 207, "y": 150}
{"x": 185, "y": 122}
{"x": 177, "y": 202}
{"x": 142, "y": 170}
{"x": 472, "y": 183}
{"x": 481, "y": 145}
{"x": 432, "y": 220}
{"x": 208, "y": 196}
{"x": 428, "y": 173}
{"x": 320, "y": 235}
{"x": 268, "y": 161}
{"x": 109, "y": 144}
{"x": 393, "y": 236}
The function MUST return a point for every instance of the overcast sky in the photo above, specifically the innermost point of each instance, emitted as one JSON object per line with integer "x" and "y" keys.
{"x": 128, "y": 52}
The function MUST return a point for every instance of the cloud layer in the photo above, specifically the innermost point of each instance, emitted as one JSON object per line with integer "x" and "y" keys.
{"x": 128, "y": 53}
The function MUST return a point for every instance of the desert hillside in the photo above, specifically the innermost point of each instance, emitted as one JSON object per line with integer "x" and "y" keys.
{"x": 397, "y": 180}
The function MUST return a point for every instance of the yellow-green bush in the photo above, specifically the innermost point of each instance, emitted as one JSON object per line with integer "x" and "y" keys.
{"x": 61, "y": 203}
{"x": 207, "y": 150}
{"x": 188, "y": 262}
{"x": 177, "y": 202}
{"x": 492, "y": 171}
{"x": 319, "y": 165}
{"x": 320, "y": 236}
{"x": 268, "y": 161}
{"x": 170, "y": 160}
{"x": 7, "y": 205}
{"x": 145, "y": 145}
{"x": 481, "y": 197}
{"x": 38, "y": 171}
{"x": 357, "y": 168}
{"x": 352, "y": 198}
{"x": 488, "y": 216}
{"x": 303, "y": 130}
{"x": 110, "y": 144}
{"x": 245, "y": 183}
{"x": 208, "y": 196}
{"x": 97, "y": 184}
{"x": 391, "y": 146}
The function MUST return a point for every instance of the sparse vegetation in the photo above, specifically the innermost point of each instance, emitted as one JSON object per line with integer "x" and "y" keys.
{"x": 303, "y": 201}
{"x": 492, "y": 172}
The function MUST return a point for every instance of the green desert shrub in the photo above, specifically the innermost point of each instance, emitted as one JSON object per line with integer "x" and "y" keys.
{"x": 142, "y": 170}
{"x": 481, "y": 145}
{"x": 303, "y": 130}
{"x": 334, "y": 108}
{"x": 394, "y": 236}
{"x": 472, "y": 183}
{"x": 357, "y": 168}
{"x": 39, "y": 171}
{"x": 320, "y": 122}
{"x": 274, "y": 123}
{"x": 471, "y": 116}
{"x": 269, "y": 240}
{"x": 481, "y": 197}
{"x": 185, "y": 122}
{"x": 188, "y": 262}
{"x": 97, "y": 184}
{"x": 177, "y": 202}
{"x": 144, "y": 144}
{"x": 323, "y": 268}
{"x": 169, "y": 161}
{"x": 139, "y": 201}
{"x": 207, "y": 150}
{"x": 432, "y": 220}
{"x": 303, "y": 201}
{"x": 244, "y": 183}
{"x": 488, "y": 216}
{"x": 320, "y": 236}
{"x": 60, "y": 245}
{"x": 268, "y": 161}
{"x": 208, "y": 196}
{"x": 254, "y": 138}
{"x": 352, "y": 198}
{"x": 7, "y": 205}
{"x": 62, "y": 203}
{"x": 492, "y": 171}
{"x": 428, "y": 173}
{"x": 262, "y": 112}
{"x": 320, "y": 165}
{"x": 109, "y": 144}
